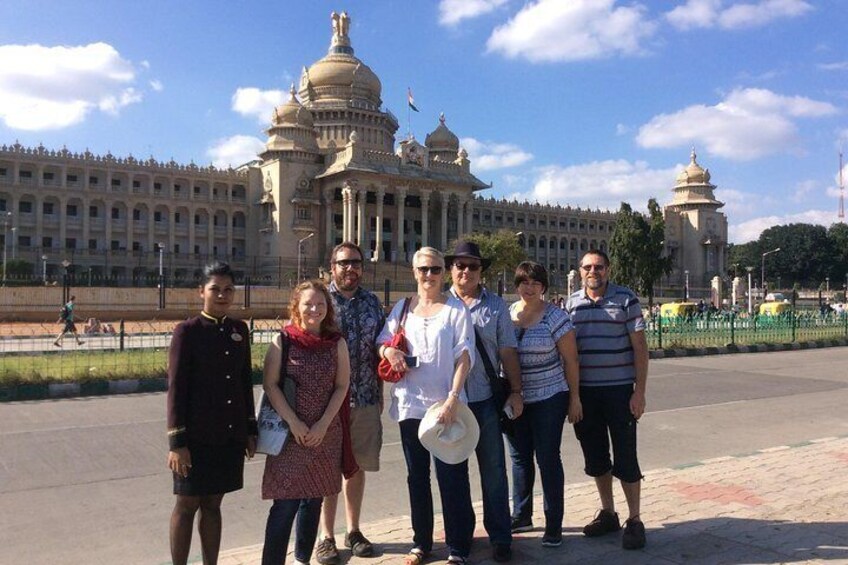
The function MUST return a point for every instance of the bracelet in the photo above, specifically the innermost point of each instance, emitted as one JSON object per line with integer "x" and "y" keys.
{"x": 518, "y": 392}
{"x": 454, "y": 394}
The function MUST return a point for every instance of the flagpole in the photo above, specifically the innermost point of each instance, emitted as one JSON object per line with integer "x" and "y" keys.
{"x": 408, "y": 119}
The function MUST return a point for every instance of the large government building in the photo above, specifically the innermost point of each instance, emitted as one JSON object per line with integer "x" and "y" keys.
{"x": 331, "y": 170}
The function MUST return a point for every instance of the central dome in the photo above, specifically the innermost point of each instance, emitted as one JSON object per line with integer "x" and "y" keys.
{"x": 694, "y": 173}
{"x": 340, "y": 76}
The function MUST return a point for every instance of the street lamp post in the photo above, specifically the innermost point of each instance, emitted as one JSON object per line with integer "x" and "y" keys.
{"x": 14, "y": 243}
{"x": 6, "y": 218}
{"x": 750, "y": 295}
{"x": 44, "y": 268}
{"x": 763, "y": 269}
{"x": 161, "y": 276}
{"x": 300, "y": 254}
{"x": 686, "y": 286}
{"x": 827, "y": 285}
{"x": 66, "y": 281}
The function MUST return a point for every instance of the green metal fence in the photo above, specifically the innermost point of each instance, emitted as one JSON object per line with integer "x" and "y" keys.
{"x": 731, "y": 329}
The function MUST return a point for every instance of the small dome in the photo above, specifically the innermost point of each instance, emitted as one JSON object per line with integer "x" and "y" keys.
{"x": 292, "y": 113}
{"x": 442, "y": 139}
{"x": 694, "y": 173}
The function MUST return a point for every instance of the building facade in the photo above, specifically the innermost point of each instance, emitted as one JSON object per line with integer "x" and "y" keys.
{"x": 331, "y": 170}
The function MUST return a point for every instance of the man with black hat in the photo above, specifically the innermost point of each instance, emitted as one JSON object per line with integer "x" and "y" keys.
{"x": 496, "y": 348}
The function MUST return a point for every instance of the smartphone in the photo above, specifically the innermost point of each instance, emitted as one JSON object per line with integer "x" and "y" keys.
{"x": 411, "y": 361}
{"x": 509, "y": 412}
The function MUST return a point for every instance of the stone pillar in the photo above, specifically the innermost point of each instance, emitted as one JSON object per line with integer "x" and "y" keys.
{"x": 361, "y": 219}
{"x": 172, "y": 230}
{"x": 737, "y": 292}
{"x": 378, "y": 232}
{"x": 573, "y": 281}
{"x": 460, "y": 210}
{"x": 63, "y": 182}
{"x": 445, "y": 204}
{"x": 425, "y": 217}
{"x": 229, "y": 250}
{"x": 63, "y": 222}
{"x": 86, "y": 222}
{"x": 151, "y": 232}
{"x": 400, "y": 204}
{"x": 210, "y": 230}
{"x": 39, "y": 220}
{"x": 191, "y": 213}
{"x": 346, "y": 215}
{"x": 107, "y": 221}
{"x": 715, "y": 291}
{"x": 130, "y": 231}
{"x": 329, "y": 192}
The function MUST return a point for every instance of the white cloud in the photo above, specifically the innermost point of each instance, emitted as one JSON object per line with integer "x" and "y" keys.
{"x": 256, "y": 103}
{"x": 696, "y": 14}
{"x": 488, "y": 156}
{"x": 451, "y": 12}
{"x": 838, "y": 66}
{"x": 44, "y": 88}
{"x": 157, "y": 85}
{"x": 749, "y": 123}
{"x": 601, "y": 184}
{"x": 555, "y": 30}
{"x": 750, "y": 230}
{"x": 234, "y": 151}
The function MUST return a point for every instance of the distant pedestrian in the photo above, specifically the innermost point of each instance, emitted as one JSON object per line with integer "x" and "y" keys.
{"x": 66, "y": 317}
{"x": 211, "y": 423}
{"x": 613, "y": 376}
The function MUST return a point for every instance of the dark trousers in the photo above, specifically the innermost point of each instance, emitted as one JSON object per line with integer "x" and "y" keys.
{"x": 539, "y": 432}
{"x": 278, "y": 529}
{"x": 492, "y": 464}
{"x": 454, "y": 489}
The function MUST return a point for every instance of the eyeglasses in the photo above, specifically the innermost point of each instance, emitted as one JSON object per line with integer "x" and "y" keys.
{"x": 349, "y": 263}
{"x": 596, "y": 268}
{"x": 429, "y": 270}
{"x": 474, "y": 267}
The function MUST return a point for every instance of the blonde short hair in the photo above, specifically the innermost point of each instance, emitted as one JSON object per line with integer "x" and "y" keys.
{"x": 431, "y": 252}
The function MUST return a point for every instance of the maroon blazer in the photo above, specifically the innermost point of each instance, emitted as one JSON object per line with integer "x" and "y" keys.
{"x": 210, "y": 387}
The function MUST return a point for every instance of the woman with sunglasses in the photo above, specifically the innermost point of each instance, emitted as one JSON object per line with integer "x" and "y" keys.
{"x": 441, "y": 352}
{"x": 547, "y": 352}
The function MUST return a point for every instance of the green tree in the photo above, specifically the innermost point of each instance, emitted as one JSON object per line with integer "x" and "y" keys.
{"x": 805, "y": 254}
{"x": 502, "y": 247}
{"x": 838, "y": 236}
{"x": 636, "y": 249}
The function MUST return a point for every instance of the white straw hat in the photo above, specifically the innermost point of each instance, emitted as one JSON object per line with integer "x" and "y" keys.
{"x": 452, "y": 444}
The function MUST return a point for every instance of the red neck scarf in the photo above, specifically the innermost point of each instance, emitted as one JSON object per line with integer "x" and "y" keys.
{"x": 308, "y": 340}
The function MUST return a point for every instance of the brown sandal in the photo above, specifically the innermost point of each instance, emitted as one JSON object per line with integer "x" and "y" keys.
{"x": 416, "y": 556}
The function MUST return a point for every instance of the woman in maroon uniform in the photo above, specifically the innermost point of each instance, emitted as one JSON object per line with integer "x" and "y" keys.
{"x": 211, "y": 422}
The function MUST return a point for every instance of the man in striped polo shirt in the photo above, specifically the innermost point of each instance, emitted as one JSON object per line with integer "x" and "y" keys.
{"x": 613, "y": 374}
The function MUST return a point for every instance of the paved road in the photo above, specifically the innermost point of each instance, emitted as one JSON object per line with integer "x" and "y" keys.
{"x": 83, "y": 480}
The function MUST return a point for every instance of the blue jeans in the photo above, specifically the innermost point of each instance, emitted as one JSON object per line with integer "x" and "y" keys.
{"x": 454, "y": 489}
{"x": 539, "y": 431}
{"x": 278, "y": 529}
{"x": 492, "y": 464}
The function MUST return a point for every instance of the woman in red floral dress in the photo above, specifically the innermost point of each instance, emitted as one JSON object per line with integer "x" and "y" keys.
{"x": 310, "y": 465}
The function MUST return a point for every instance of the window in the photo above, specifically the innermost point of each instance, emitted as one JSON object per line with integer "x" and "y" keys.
{"x": 157, "y": 186}
{"x": 71, "y": 178}
{"x": 2, "y": 204}
{"x": 177, "y": 189}
{"x": 71, "y": 210}
{"x": 116, "y": 182}
{"x": 116, "y": 214}
{"x": 93, "y": 212}
{"x": 26, "y": 174}
{"x": 176, "y": 248}
{"x": 24, "y": 241}
{"x": 46, "y": 241}
{"x": 196, "y": 249}
{"x": 47, "y": 208}
{"x": 303, "y": 214}
{"x": 196, "y": 221}
{"x": 157, "y": 216}
{"x": 136, "y": 184}
{"x": 116, "y": 245}
{"x": 136, "y": 246}
{"x": 47, "y": 176}
{"x": 70, "y": 243}
{"x": 25, "y": 207}
{"x": 215, "y": 221}
{"x": 214, "y": 250}
{"x": 2, "y": 172}
{"x": 92, "y": 180}
{"x": 176, "y": 217}
{"x": 196, "y": 190}
{"x": 92, "y": 244}
{"x": 136, "y": 215}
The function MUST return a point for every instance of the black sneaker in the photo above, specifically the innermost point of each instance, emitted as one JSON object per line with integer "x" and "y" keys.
{"x": 605, "y": 522}
{"x": 502, "y": 553}
{"x": 326, "y": 552}
{"x": 634, "y": 534}
{"x": 552, "y": 539}
{"x": 517, "y": 525}
{"x": 359, "y": 544}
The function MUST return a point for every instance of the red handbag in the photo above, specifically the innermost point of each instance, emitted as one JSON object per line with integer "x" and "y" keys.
{"x": 398, "y": 341}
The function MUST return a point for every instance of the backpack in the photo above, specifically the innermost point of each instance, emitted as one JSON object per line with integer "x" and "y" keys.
{"x": 64, "y": 313}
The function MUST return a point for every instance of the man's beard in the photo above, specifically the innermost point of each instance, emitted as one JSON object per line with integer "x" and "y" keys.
{"x": 342, "y": 283}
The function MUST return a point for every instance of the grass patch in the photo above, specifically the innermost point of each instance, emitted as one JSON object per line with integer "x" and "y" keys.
{"x": 94, "y": 365}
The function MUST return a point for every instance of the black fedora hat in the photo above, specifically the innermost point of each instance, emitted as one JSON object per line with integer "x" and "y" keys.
{"x": 469, "y": 250}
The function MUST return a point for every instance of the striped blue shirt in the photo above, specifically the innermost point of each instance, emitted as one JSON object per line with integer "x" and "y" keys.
{"x": 542, "y": 371}
{"x": 603, "y": 335}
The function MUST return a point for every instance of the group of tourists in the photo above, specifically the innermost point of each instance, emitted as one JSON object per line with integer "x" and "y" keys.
{"x": 468, "y": 372}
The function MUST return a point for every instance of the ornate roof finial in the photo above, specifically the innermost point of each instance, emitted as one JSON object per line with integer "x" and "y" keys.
{"x": 340, "y": 42}
{"x": 693, "y": 155}
{"x": 292, "y": 93}
{"x": 442, "y": 118}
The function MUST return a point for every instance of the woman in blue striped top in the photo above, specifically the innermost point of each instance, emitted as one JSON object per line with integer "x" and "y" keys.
{"x": 547, "y": 349}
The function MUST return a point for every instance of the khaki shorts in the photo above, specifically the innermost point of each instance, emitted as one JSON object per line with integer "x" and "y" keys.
{"x": 366, "y": 434}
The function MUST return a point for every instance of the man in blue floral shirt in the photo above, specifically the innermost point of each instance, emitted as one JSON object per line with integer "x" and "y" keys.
{"x": 361, "y": 318}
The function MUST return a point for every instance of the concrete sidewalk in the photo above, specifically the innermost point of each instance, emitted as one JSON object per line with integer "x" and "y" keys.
{"x": 779, "y": 505}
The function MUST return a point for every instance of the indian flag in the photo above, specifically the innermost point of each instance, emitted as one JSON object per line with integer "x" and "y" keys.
{"x": 410, "y": 99}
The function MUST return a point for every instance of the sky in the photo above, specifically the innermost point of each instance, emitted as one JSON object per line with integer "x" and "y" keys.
{"x": 576, "y": 102}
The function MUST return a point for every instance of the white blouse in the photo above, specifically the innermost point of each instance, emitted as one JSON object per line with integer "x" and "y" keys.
{"x": 438, "y": 341}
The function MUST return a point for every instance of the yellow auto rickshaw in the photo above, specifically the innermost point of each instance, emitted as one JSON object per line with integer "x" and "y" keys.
{"x": 678, "y": 309}
{"x": 774, "y": 308}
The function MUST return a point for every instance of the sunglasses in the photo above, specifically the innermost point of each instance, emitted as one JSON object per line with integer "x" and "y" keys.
{"x": 597, "y": 268}
{"x": 352, "y": 263}
{"x": 467, "y": 266}
{"x": 430, "y": 270}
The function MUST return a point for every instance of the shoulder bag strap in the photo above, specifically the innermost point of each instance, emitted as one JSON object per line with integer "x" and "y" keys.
{"x": 484, "y": 356}
{"x": 404, "y": 311}
{"x": 284, "y": 356}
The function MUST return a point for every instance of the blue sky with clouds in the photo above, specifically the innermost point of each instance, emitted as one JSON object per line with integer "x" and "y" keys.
{"x": 580, "y": 102}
